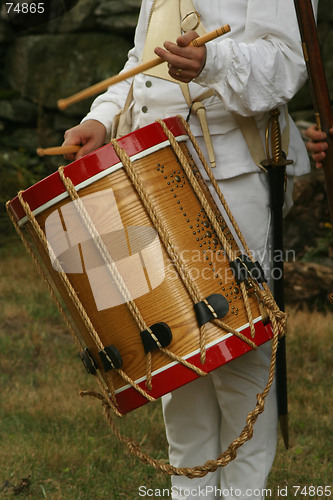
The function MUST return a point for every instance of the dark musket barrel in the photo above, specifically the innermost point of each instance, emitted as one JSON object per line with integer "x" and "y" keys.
{"x": 318, "y": 85}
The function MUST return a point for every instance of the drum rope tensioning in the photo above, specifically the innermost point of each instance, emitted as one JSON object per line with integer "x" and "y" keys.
{"x": 71, "y": 292}
{"x": 134, "y": 310}
{"x": 261, "y": 293}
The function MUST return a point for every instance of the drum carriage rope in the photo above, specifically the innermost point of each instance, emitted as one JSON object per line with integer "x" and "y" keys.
{"x": 111, "y": 267}
{"x": 247, "y": 431}
{"x": 132, "y": 445}
{"x": 211, "y": 465}
{"x": 46, "y": 280}
{"x": 42, "y": 273}
{"x": 264, "y": 295}
{"x": 122, "y": 286}
{"x": 277, "y": 326}
{"x": 203, "y": 200}
{"x": 157, "y": 223}
{"x": 134, "y": 310}
{"x": 75, "y": 299}
{"x": 190, "y": 286}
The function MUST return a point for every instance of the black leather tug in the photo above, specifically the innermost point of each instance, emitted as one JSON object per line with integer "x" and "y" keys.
{"x": 88, "y": 361}
{"x": 244, "y": 268}
{"x": 161, "y": 336}
{"x": 111, "y": 358}
{"x": 213, "y": 307}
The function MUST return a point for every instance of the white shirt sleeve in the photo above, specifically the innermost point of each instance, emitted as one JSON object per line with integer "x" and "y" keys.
{"x": 265, "y": 67}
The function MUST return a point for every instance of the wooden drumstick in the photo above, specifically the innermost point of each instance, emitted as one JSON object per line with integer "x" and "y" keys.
{"x": 58, "y": 150}
{"x": 103, "y": 85}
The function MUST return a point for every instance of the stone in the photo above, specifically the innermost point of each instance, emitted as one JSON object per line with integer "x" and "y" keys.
{"x": 18, "y": 110}
{"x": 120, "y": 16}
{"x": 79, "y": 18}
{"x": 45, "y": 68}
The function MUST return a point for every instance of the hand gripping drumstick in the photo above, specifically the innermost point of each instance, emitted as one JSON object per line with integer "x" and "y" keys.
{"x": 103, "y": 85}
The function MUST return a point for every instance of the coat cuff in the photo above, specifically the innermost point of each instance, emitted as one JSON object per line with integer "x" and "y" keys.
{"x": 217, "y": 63}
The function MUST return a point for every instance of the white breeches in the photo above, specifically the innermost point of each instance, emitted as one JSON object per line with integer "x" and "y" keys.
{"x": 205, "y": 416}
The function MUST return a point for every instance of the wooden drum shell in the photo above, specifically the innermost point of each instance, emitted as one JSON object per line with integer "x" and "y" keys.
{"x": 194, "y": 239}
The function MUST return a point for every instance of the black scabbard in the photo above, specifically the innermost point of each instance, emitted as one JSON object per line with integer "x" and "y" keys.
{"x": 276, "y": 179}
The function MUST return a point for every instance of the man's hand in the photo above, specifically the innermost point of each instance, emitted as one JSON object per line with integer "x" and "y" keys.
{"x": 317, "y": 144}
{"x": 185, "y": 61}
{"x": 89, "y": 134}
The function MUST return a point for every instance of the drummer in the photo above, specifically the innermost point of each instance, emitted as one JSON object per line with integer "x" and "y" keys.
{"x": 259, "y": 66}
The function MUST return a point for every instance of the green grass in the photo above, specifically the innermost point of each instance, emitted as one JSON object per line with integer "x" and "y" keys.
{"x": 57, "y": 445}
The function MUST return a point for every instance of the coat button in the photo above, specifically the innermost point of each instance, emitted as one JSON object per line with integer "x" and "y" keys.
{"x": 144, "y": 109}
{"x": 148, "y": 83}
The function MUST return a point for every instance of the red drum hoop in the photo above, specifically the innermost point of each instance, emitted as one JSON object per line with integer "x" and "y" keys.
{"x": 125, "y": 227}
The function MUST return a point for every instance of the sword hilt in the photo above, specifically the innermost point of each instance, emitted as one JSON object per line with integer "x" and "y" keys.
{"x": 276, "y": 141}
{"x": 274, "y": 154}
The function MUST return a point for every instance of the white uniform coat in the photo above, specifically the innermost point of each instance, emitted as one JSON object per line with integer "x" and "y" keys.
{"x": 258, "y": 66}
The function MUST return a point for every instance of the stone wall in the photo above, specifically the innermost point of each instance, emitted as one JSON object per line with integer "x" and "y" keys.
{"x": 87, "y": 44}
{"x": 38, "y": 66}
